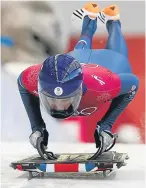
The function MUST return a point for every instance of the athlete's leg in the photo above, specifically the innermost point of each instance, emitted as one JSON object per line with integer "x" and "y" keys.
{"x": 111, "y": 17}
{"x": 116, "y": 40}
{"x": 89, "y": 16}
{"x": 88, "y": 29}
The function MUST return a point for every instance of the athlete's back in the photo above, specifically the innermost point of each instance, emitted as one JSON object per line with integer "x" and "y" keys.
{"x": 112, "y": 60}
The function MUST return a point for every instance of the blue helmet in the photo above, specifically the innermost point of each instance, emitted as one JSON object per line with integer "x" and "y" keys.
{"x": 60, "y": 85}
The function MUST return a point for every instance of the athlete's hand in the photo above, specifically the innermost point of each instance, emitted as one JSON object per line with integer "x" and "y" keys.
{"x": 43, "y": 133}
{"x": 103, "y": 139}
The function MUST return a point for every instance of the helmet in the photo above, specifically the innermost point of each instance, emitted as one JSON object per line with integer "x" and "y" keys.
{"x": 60, "y": 85}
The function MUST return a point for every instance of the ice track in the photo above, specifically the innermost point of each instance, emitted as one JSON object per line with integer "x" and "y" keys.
{"x": 131, "y": 176}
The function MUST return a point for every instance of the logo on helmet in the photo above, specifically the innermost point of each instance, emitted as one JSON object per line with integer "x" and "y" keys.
{"x": 58, "y": 91}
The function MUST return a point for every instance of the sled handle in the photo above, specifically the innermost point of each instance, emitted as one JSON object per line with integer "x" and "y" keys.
{"x": 99, "y": 151}
{"x": 115, "y": 138}
{"x": 42, "y": 151}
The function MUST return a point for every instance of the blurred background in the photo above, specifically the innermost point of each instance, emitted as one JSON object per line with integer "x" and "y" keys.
{"x": 33, "y": 30}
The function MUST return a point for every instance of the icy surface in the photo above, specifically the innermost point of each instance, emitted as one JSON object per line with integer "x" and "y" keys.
{"x": 131, "y": 176}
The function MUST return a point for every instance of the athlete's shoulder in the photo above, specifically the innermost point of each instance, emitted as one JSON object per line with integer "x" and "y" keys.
{"x": 29, "y": 78}
{"x": 101, "y": 79}
{"x": 129, "y": 82}
{"x": 101, "y": 75}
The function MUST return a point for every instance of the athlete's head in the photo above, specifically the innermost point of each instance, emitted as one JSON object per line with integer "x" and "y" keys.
{"x": 60, "y": 85}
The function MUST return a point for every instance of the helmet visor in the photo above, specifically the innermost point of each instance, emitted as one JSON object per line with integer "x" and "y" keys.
{"x": 61, "y": 107}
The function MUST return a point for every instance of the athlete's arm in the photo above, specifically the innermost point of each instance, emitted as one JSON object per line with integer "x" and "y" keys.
{"x": 129, "y": 87}
{"x": 32, "y": 106}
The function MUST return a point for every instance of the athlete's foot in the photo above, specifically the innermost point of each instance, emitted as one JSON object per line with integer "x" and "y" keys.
{"x": 90, "y": 9}
{"x": 109, "y": 13}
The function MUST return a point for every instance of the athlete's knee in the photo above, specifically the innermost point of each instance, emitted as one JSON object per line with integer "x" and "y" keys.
{"x": 83, "y": 44}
